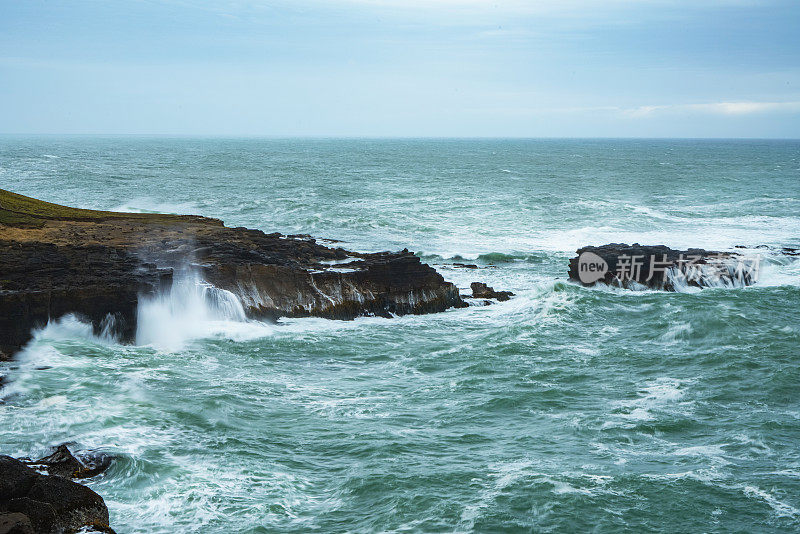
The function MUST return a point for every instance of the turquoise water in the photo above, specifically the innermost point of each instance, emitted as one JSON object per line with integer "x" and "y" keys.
{"x": 564, "y": 409}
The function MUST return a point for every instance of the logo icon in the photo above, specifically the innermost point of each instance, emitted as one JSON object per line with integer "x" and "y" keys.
{"x": 591, "y": 267}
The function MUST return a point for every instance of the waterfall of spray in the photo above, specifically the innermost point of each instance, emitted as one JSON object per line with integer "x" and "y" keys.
{"x": 724, "y": 274}
{"x": 190, "y": 309}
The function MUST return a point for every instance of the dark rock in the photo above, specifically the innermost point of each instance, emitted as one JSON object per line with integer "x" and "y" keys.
{"x": 660, "y": 267}
{"x": 15, "y": 523}
{"x": 50, "y": 503}
{"x": 465, "y": 265}
{"x": 482, "y": 291}
{"x": 790, "y": 251}
{"x": 16, "y": 479}
{"x": 62, "y": 463}
{"x": 41, "y": 515}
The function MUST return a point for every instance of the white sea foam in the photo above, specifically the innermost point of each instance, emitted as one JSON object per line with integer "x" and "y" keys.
{"x": 148, "y": 205}
{"x": 779, "y": 271}
{"x": 193, "y": 309}
{"x": 44, "y": 351}
{"x": 677, "y": 331}
{"x": 663, "y": 394}
{"x": 714, "y": 453}
{"x": 782, "y": 509}
{"x": 711, "y": 235}
{"x": 71, "y": 327}
{"x": 48, "y": 402}
{"x": 502, "y": 475}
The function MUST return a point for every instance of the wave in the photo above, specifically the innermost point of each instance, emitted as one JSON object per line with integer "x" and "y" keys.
{"x": 500, "y": 257}
{"x": 148, "y": 205}
{"x": 710, "y": 234}
{"x": 46, "y": 350}
{"x": 656, "y": 397}
{"x": 193, "y": 309}
{"x": 781, "y": 508}
{"x": 71, "y": 327}
{"x": 487, "y": 258}
{"x": 189, "y": 310}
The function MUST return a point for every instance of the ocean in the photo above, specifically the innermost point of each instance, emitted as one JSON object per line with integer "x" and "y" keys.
{"x": 564, "y": 409}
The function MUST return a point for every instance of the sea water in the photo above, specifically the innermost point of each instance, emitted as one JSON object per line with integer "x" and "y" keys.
{"x": 563, "y": 409}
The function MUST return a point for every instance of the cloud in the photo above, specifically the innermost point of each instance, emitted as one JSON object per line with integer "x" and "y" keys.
{"x": 715, "y": 108}
{"x": 712, "y": 108}
{"x": 540, "y": 6}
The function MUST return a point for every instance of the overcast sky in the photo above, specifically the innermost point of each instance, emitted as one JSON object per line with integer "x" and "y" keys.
{"x": 550, "y": 68}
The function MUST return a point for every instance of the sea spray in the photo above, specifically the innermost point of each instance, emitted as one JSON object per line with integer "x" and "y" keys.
{"x": 190, "y": 309}
{"x": 71, "y": 326}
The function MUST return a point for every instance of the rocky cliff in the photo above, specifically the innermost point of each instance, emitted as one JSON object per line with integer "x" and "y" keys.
{"x": 56, "y": 260}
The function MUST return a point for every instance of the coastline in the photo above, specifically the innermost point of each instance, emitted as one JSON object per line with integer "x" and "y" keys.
{"x": 59, "y": 260}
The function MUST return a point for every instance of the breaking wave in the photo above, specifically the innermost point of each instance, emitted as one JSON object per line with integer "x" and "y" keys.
{"x": 193, "y": 309}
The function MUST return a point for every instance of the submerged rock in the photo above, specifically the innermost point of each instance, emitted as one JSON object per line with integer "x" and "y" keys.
{"x": 659, "y": 267}
{"x": 33, "y": 502}
{"x": 57, "y": 260}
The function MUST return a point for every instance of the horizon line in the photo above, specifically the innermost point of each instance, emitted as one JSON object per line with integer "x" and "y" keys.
{"x": 386, "y": 137}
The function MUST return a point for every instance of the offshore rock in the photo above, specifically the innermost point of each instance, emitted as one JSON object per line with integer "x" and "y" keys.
{"x": 56, "y": 260}
{"x": 482, "y": 291}
{"x": 33, "y": 502}
{"x": 659, "y": 267}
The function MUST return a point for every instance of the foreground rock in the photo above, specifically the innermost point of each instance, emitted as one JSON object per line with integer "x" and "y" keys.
{"x": 31, "y": 502}
{"x": 659, "y": 267}
{"x": 56, "y": 260}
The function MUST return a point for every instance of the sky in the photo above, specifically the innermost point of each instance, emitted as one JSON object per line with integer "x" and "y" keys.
{"x": 402, "y": 68}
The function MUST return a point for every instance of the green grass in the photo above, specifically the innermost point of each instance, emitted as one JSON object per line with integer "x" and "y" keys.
{"x": 26, "y": 212}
